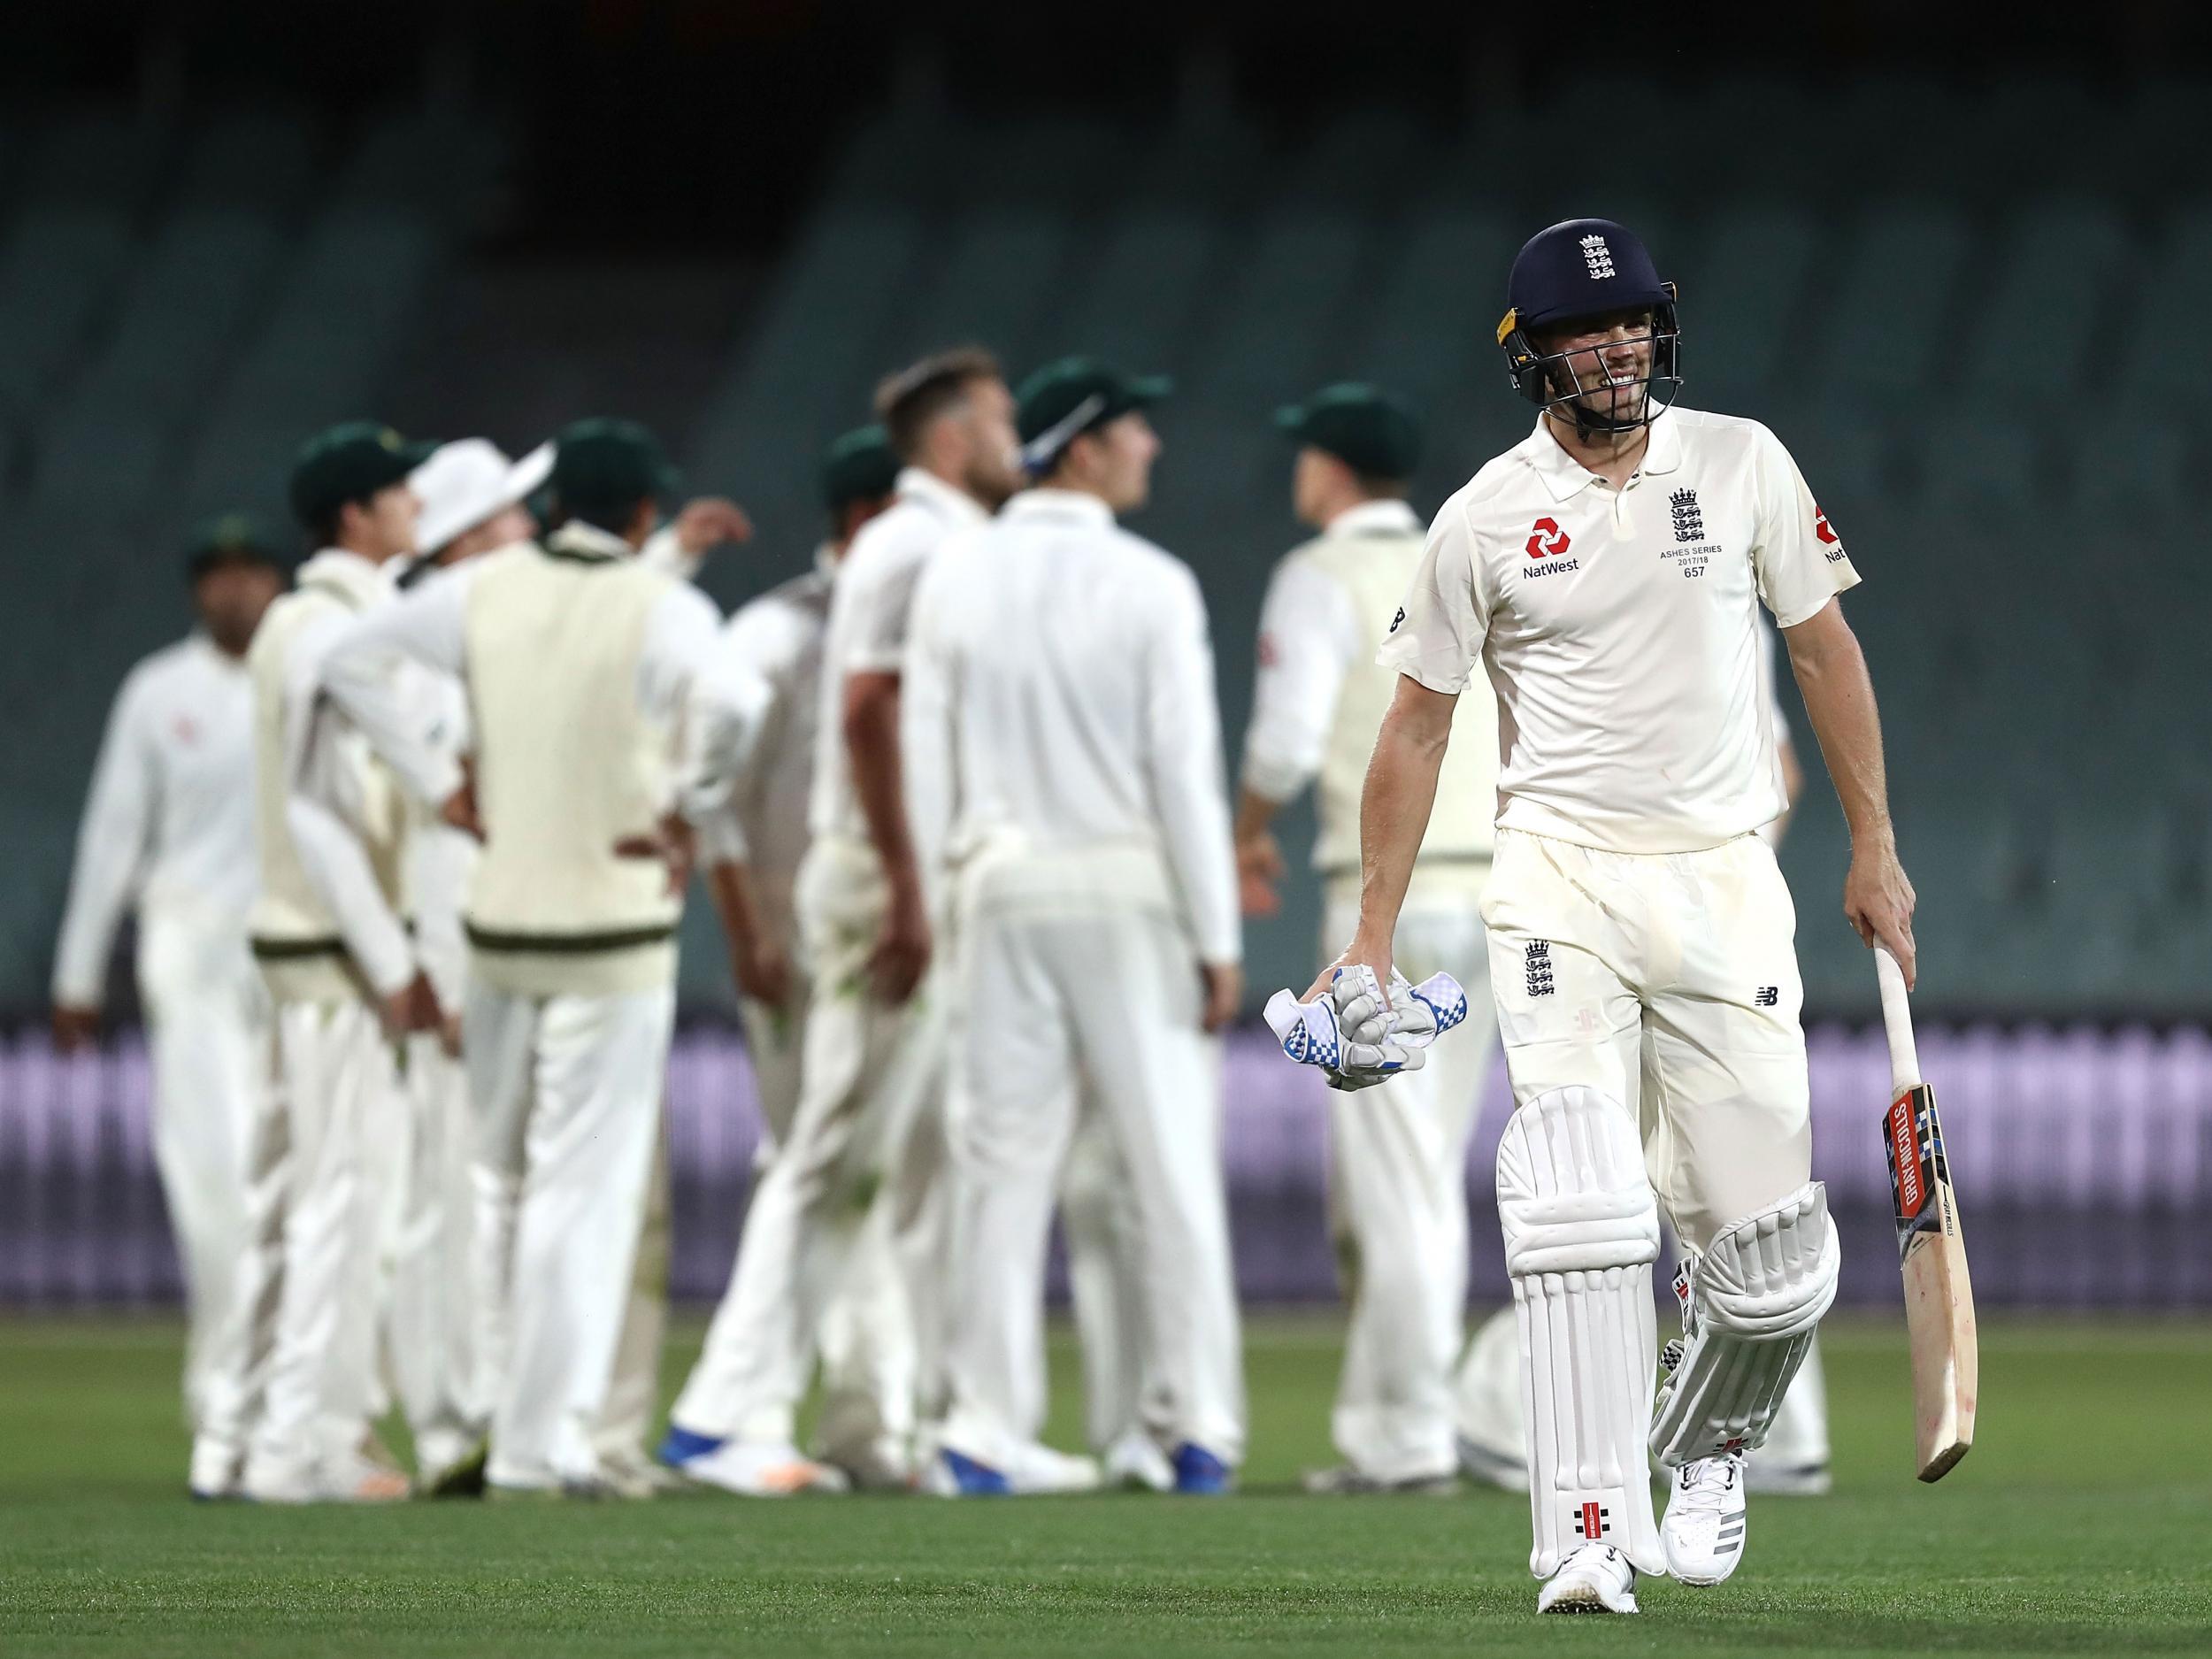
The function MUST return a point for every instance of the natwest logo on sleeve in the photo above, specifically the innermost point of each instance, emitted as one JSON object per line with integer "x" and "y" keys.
{"x": 1545, "y": 538}
{"x": 1821, "y": 527}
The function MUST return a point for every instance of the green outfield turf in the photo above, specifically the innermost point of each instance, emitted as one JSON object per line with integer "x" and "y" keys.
{"x": 2081, "y": 1523}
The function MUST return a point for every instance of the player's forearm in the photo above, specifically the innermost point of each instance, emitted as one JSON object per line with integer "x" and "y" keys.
{"x": 112, "y": 845}
{"x": 1839, "y": 700}
{"x": 1393, "y": 815}
{"x": 872, "y": 738}
{"x": 1195, "y": 822}
{"x": 109, "y": 852}
{"x": 731, "y": 884}
{"x": 97, "y": 896}
{"x": 1255, "y": 812}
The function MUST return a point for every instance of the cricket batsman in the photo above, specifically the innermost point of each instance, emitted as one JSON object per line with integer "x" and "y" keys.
{"x": 1607, "y": 572}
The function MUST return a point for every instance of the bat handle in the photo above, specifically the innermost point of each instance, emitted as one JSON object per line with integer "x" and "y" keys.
{"x": 1904, "y": 1054}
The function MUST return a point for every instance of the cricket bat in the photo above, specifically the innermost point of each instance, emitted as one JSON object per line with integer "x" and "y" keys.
{"x": 1938, "y": 1296}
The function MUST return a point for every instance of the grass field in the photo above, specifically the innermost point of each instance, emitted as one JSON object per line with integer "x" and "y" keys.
{"x": 2082, "y": 1524}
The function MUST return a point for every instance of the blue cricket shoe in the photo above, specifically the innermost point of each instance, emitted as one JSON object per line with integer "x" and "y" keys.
{"x": 1199, "y": 1473}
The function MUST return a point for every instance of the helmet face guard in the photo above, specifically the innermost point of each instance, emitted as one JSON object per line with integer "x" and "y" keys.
{"x": 1549, "y": 380}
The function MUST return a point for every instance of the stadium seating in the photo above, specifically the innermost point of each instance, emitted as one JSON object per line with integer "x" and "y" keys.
{"x": 1998, "y": 399}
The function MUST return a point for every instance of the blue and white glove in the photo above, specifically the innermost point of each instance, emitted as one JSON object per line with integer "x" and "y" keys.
{"x": 1356, "y": 1036}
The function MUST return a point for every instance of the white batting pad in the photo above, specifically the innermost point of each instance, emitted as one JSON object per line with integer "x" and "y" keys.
{"x": 1749, "y": 1305}
{"x": 1581, "y": 1232}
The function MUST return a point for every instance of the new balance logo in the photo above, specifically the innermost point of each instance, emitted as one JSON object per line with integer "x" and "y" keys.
{"x": 1598, "y": 257}
{"x": 1689, "y": 519}
{"x": 1767, "y": 995}
{"x": 1536, "y": 962}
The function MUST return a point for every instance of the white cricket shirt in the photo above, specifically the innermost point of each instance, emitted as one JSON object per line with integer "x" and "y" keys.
{"x": 871, "y": 604}
{"x": 1061, "y": 686}
{"x": 169, "y": 821}
{"x": 1619, "y": 628}
{"x": 780, "y": 637}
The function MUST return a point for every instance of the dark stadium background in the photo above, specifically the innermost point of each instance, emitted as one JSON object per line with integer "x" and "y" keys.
{"x": 1962, "y": 267}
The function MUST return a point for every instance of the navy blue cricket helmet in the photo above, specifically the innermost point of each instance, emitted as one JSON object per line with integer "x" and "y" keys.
{"x": 1585, "y": 268}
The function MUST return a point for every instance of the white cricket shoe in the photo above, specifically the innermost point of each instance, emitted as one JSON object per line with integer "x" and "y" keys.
{"x": 1703, "y": 1531}
{"x": 1135, "y": 1464}
{"x": 879, "y": 1465}
{"x": 352, "y": 1478}
{"x": 219, "y": 1471}
{"x": 1030, "y": 1471}
{"x": 631, "y": 1474}
{"x": 1037, "y": 1468}
{"x": 1596, "y": 1579}
{"x": 754, "y": 1471}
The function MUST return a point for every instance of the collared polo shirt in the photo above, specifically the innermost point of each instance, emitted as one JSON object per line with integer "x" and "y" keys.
{"x": 1619, "y": 628}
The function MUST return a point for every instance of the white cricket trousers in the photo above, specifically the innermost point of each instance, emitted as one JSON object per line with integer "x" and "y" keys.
{"x": 1054, "y": 1003}
{"x": 1667, "y": 983}
{"x": 208, "y": 1031}
{"x": 1105, "y": 1240}
{"x": 566, "y": 1091}
{"x": 852, "y": 1201}
{"x": 1398, "y": 1199}
{"x": 866, "y": 1348}
{"x": 431, "y": 1325}
{"x": 317, "y": 1241}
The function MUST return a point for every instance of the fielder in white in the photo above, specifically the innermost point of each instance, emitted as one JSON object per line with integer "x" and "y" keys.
{"x": 472, "y": 501}
{"x": 348, "y": 992}
{"x": 1794, "y": 1461}
{"x": 1064, "y": 757}
{"x": 168, "y": 830}
{"x": 1606, "y": 572}
{"x": 754, "y": 851}
{"x": 868, "y": 1359}
{"x": 867, "y": 1130}
{"x": 606, "y": 722}
{"x": 1398, "y": 1163}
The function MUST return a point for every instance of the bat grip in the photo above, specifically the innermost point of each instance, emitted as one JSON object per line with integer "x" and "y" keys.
{"x": 1904, "y": 1054}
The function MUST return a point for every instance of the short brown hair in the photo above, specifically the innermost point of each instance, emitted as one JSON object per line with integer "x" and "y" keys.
{"x": 908, "y": 402}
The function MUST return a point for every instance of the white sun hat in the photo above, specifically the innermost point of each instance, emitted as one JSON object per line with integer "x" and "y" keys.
{"x": 465, "y": 482}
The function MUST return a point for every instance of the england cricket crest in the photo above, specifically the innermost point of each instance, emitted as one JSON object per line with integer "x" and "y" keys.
{"x": 1689, "y": 517}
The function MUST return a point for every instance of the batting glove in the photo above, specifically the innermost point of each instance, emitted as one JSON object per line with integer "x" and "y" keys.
{"x": 1357, "y": 1036}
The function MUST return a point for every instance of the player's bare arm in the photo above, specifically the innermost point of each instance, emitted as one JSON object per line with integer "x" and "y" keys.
{"x": 1830, "y": 670}
{"x": 1259, "y": 858}
{"x": 758, "y": 962}
{"x": 1393, "y": 815}
{"x": 872, "y": 737}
